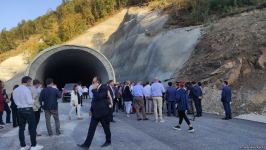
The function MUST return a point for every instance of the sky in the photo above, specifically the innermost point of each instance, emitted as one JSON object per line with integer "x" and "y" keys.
{"x": 13, "y": 11}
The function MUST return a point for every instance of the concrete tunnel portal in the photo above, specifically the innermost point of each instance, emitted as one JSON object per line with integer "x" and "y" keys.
{"x": 70, "y": 64}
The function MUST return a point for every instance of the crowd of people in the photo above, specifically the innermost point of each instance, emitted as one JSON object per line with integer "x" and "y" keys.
{"x": 143, "y": 99}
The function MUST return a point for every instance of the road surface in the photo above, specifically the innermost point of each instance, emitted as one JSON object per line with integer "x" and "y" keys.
{"x": 211, "y": 133}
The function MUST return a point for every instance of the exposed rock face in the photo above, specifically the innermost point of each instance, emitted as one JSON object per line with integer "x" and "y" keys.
{"x": 232, "y": 49}
{"x": 12, "y": 66}
{"x": 95, "y": 36}
{"x": 142, "y": 48}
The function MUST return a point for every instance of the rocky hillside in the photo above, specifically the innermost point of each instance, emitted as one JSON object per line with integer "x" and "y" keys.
{"x": 143, "y": 48}
{"x": 232, "y": 49}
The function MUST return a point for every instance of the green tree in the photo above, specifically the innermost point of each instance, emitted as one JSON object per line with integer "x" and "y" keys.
{"x": 6, "y": 40}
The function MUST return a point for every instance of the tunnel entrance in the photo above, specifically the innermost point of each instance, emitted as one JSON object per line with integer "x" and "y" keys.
{"x": 70, "y": 64}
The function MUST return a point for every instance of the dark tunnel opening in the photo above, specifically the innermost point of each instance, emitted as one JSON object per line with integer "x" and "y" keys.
{"x": 72, "y": 66}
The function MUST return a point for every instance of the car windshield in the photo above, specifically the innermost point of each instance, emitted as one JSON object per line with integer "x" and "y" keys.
{"x": 69, "y": 86}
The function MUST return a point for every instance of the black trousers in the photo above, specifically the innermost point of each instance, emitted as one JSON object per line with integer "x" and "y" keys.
{"x": 37, "y": 117}
{"x": 27, "y": 116}
{"x": 15, "y": 116}
{"x": 93, "y": 124}
{"x": 111, "y": 116}
{"x": 1, "y": 118}
{"x": 8, "y": 112}
{"x": 182, "y": 115}
{"x": 85, "y": 95}
{"x": 198, "y": 106}
{"x": 116, "y": 103}
{"x": 120, "y": 104}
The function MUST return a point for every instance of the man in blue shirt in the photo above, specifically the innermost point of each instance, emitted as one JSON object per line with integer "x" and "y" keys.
{"x": 197, "y": 96}
{"x": 226, "y": 100}
{"x": 138, "y": 93}
{"x": 48, "y": 99}
{"x": 157, "y": 91}
{"x": 170, "y": 97}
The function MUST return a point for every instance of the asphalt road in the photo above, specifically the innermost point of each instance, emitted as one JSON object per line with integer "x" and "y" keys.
{"x": 211, "y": 133}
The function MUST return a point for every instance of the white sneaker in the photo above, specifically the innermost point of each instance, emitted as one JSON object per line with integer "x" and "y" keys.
{"x": 37, "y": 147}
{"x": 25, "y": 148}
{"x": 162, "y": 121}
{"x": 128, "y": 115}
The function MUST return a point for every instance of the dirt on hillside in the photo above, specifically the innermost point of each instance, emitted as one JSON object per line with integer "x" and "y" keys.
{"x": 233, "y": 49}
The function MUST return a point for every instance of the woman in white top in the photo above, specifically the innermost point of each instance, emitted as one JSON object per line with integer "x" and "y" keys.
{"x": 75, "y": 102}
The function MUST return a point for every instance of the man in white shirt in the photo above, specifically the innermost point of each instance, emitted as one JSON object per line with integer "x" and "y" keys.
{"x": 85, "y": 91}
{"x": 148, "y": 99}
{"x": 23, "y": 99}
{"x": 157, "y": 90}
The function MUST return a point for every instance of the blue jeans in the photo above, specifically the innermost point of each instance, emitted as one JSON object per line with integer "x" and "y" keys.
{"x": 227, "y": 109}
{"x": 26, "y": 115}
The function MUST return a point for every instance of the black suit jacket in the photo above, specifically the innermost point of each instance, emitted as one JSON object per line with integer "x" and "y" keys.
{"x": 111, "y": 92}
{"x": 100, "y": 104}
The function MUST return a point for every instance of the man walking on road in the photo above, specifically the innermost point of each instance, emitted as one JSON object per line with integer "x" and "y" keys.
{"x": 48, "y": 99}
{"x": 23, "y": 99}
{"x": 100, "y": 112}
{"x": 226, "y": 100}
{"x": 157, "y": 91}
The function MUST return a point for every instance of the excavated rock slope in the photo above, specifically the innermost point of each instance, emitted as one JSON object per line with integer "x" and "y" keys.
{"x": 233, "y": 49}
{"x": 142, "y": 48}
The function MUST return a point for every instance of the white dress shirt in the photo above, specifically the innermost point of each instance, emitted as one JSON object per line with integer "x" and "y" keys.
{"x": 90, "y": 91}
{"x": 35, "y": 95}
{"x": 23, "y": 97}
{"x": 157, "y": 89}
{"x": 80, "y": 90}
{"x": 85, "y": 90}
{"x": 147, "y": 90}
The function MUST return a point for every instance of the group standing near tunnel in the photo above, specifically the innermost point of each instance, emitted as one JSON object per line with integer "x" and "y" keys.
{"x": 107, "y": 99}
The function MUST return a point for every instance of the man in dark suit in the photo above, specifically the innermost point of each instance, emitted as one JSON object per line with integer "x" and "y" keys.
{"x": 100, "y": 112}
{"x": 170, "y": 97}
{"x": 226, "y": 100}
{"x": 197, "y": 96}
{"x": 111, "y": 89}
